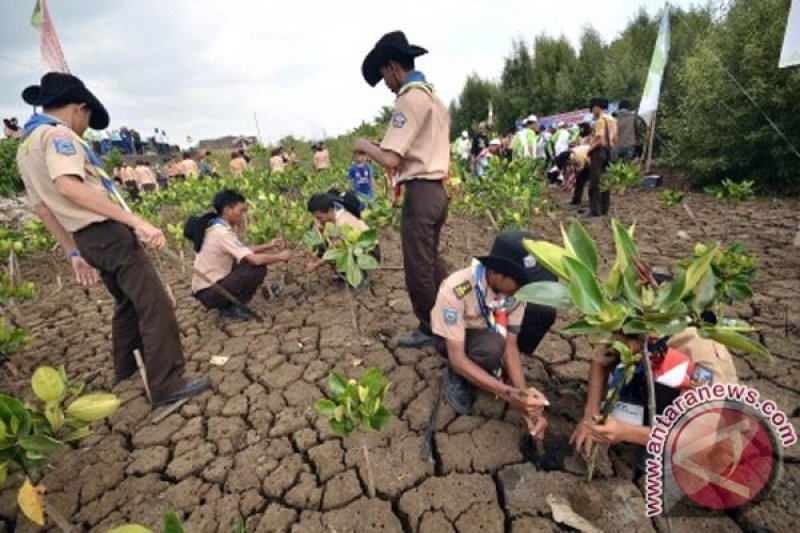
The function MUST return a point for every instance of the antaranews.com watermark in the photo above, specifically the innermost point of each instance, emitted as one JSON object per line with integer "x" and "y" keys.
{"x": 721, "y": 446}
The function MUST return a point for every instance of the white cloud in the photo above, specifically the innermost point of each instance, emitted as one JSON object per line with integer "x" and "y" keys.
{"x": 203, "y": 67}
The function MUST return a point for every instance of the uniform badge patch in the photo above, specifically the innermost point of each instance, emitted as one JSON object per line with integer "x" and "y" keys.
{"x": 64, "y": 146}
{"x": 399, "y": 119}
{"x": 462, "y": 289}
{"x": 529, "y": 261}
{"x": 450, "y": 317}
{"x": 702, "y": 376}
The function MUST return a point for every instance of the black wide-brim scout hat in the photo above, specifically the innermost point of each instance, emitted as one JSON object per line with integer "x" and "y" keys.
{"x": 509, "y": 257}
{"x": 58, "y": 89}
{"x": 393, "y": 45}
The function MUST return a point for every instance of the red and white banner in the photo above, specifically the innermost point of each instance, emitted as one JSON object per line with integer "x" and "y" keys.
{"x": 52, "y": 56}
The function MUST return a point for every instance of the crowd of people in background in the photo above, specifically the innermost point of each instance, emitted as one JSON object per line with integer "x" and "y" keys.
{"x": 567, "y": 149}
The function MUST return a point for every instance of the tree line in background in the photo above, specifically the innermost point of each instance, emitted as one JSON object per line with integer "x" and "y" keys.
{"x": 706, "y": 125}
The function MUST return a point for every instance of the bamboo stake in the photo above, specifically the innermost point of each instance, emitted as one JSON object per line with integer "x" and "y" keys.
{"x": 492, "y": 220}
{"x": 650, "y": 145}
{"x": 350, "y": 300}
{"x": 142, "y": 373}
{"x": 368, "y": 468}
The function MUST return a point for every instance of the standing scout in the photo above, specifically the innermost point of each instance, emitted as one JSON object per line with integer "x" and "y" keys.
{"x": 416, "y": 145}
{"x": 72, "y": 195}
{"x": 604, "y": 139}
{"x": 479, "y": 325}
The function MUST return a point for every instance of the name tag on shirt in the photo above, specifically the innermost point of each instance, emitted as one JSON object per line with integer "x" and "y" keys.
{"x": 629, "y": 412}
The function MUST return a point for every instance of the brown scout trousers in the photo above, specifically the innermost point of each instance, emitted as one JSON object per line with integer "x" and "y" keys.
{"x": 424, "y": 213}
{"x": 599, "y": 201}
{"x": 143, "y": 317}
{"x": 484, "y": 347}
{"x": 242, "y": 282}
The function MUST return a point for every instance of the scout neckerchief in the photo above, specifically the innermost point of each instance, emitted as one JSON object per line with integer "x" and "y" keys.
{"x": 415, "y": 79}
{"x": 495, "y": 313}
{"x": 38, "y": 120}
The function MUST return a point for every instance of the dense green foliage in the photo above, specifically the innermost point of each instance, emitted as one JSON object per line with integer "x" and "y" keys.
{"x": 707, "y": 126}
{"x": 10, "y": 182}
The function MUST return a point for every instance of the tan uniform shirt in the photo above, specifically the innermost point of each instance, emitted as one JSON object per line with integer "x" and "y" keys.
{"x": 580, "y": 155}
{"x": 345, "y": 218}
{"x": 50, "y": 152}
{"x": 221, "y": 250}
{"x": 322, "y": 160}
{"x": 419, "y": 133}
{"x": 189, "y": 168}
{"x": 457, "y": 308}
{"x": 706, "y": 353}
{"x": 144, "y": 176}
{"x": 237, "y": 166}
{"x": 128, "y": 173}
{"x": 276, "y": 164}
{"x": 605, "y": 122}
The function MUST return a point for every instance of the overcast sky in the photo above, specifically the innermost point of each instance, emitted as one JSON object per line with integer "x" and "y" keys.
{"x": 203, "y": 67}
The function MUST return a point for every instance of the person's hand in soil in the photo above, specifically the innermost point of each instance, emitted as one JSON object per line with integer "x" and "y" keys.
{"x": 150, "y": 235}
{"x": 582, "y": 438}
{"x": 529, "y": 401}
{"x": 275, "y": 244}
{"x": 615, "y": 431}
{"x": 85, "y": 274}
{"x": 537, "y": 426}
{"x": 313, "y": 265}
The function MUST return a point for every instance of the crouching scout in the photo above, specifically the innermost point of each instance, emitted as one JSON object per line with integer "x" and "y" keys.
{"x": 225, "y": 260}
{"x": 478, "y": 325}
{"x": 680, "y": 362}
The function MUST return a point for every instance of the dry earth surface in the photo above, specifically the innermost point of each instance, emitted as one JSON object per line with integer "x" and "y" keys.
{"x": 254, "y": 447}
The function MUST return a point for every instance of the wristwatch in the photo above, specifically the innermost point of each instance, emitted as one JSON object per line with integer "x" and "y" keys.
{"x": 74, "y": 253}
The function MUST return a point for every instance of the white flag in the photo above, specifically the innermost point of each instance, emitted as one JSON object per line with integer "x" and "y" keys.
{"x": 790, "y": 55}
{"x": 52, "y": 55}
{"x": 652, "y": 89}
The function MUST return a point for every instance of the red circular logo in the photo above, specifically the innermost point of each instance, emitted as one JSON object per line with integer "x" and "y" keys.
{"x": 723, "y": 457}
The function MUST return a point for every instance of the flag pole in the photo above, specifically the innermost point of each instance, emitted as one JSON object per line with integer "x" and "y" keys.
{"x": 652, "y": 137}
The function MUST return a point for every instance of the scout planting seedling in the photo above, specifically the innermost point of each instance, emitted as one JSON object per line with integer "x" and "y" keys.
{"x": 349, "y": 251}
{"x": 357, "y": 406}
{"x": 29, "y": 434}
{"x": 629, "y": 302}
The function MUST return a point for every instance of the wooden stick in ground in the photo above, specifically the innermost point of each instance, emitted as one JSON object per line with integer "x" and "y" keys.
{"x": 169, "y": 410}
{"x": 368, "y": 468}
{"x": 492, "y": 220}
{"x": 142, "y": 373}
{"x": 352, "y": 303}
{"x": 215, "y": 286}
{"x": 650, "y": 145}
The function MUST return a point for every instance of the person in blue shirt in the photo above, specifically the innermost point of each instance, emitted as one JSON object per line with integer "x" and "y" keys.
{"x": 361, "y": 178}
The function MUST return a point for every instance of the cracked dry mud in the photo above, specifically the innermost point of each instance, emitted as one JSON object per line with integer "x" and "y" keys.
{"x": 255, "y": 446}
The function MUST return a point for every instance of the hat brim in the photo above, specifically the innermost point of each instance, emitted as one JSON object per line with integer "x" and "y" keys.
{"x": 505, "y": 267}
{"x": 380, "y": 56}
{"x": 100, "y": 119}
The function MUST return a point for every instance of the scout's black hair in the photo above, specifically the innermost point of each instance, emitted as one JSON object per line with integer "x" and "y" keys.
{"x": 321, "y": 202}
{"x": 194, "y": 228}
{"x": 404, "y": 61}
{"x": 227, "y": 198}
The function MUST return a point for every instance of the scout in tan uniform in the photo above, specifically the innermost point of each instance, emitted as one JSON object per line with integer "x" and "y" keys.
{"x": 277, "y": 163}
{"x": 238, "y": 164}
{"x": 604, "y": 139}
{"x": 68, "y": 187}
{"x": 322, "y": 158}
{"x": 188, "y": 166}
{"x": 225, "y": 260}
{"x": 11, "y": 129}
{"x": 325, "y": 210}
{"x": 478, "y": 322}
{"x": 145, "y": 177}
{"x": 710, "y": 363}
{"x": 417, "y": 145}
